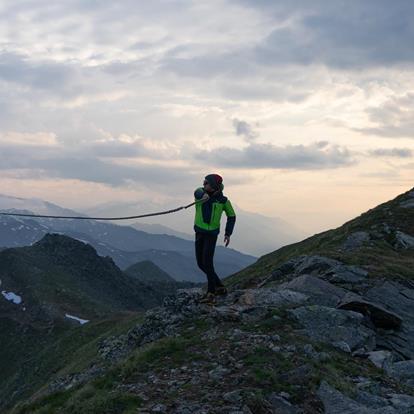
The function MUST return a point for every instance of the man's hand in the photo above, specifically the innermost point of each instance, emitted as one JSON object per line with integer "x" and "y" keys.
{"x": 205, "y": 197}
{"x": 226, "y": 240}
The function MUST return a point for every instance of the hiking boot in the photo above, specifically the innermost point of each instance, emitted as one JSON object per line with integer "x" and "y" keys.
{"x": 208, "y": 299}
{"x": 221, "y": 291}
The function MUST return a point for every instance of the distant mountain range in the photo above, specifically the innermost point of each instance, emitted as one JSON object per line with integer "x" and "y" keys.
{"x": 270, "y": 232}
{"x": 58, "y": 284}
{"x": 126, "y": 245}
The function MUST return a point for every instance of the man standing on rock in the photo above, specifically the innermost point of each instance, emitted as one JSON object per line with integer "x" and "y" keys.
{"x": 207, "y": 227}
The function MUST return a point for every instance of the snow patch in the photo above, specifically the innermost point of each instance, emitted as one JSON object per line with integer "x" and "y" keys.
{"x": 81, "y": 321}
{"x": 12, "y": 297}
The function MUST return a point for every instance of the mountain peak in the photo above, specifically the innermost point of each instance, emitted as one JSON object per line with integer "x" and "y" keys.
{"x": 53, "y": 241}
{"x": 147, "y": 270}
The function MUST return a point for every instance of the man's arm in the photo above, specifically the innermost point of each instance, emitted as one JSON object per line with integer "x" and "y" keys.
{"x": 231, "y": 218}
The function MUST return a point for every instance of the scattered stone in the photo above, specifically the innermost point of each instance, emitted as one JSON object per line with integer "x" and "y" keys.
{"x": 382, "y": 358}
{"x": 402, "y": 401}
{"x": 355, "y": 240}
{"x": 343, "y": 346}
{"x": 335, "y": 402}
{"x": 233, "y": 396}
{"x": 281, "y": 405}
{"x": 218, "y": 372}
{"x": 403, "y": 240}
{"x": 71, "y": 380}
{"x": 402, "y": 371}
{"x": 159, "y": 408}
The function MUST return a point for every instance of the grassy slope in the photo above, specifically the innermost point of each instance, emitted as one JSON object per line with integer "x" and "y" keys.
{"x": 380, "y": 259}
{"x": 62, "y": 352}
{"x": 261, "y": 370}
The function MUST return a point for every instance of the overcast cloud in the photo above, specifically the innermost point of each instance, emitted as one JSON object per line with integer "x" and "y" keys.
{"x": 118, "y": 93}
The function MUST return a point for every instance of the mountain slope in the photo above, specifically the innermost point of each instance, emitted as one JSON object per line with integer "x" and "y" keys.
{"x": 321, "y": 326}
{"x": 50, "y": 288}
{"x": 374, "y": 240}
{"x": 68, "y": 275}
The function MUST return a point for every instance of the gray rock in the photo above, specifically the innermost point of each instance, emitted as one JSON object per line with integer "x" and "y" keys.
{"x": 319, "y": 266}
{"x": 403, "y": 240}
{"x": 319, "y": 291}
{"x": 254, "y": 314}
{"x": 382, "y": 358}
{"x": 334, "y": 326}
{"x": 159, "y": 408}
{"x": 407, "y": 204}
{"x": 335, "y": 402}
{"x": 402, "y": 371}
{"x": 355, "y": 240}
{"x": 71, "y": 380}
{"x": 226, "y": 313}
{"x": 218, "y": 372}
{"x": 233, "y": 396}
{"x": 402, "y": 401}
{"x": 331, "y": 269}
{"x": 270, "y": 297}
{"x": 281, "y": 405}
{"x": 346, "y": 274}
{"x": 371, "y": 400}
{"x": 343, "y": 346}
{"x": 379, "y": 316}
{"x": 398, "y": 299}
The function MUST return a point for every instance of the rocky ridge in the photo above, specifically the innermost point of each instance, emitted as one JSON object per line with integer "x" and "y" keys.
{"x": 322, "y": 326}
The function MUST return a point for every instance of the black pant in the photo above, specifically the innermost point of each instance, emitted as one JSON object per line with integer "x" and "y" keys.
{"x": 205, "y": 244}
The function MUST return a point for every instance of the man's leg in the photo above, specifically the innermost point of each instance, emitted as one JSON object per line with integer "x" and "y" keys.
{"x": 208, "y": 255}
{"x": 201, "y": 248}
{"x": 199, "y": 245}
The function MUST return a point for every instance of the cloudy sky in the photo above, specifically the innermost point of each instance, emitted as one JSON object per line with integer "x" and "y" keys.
{"x": 306, "y": 108}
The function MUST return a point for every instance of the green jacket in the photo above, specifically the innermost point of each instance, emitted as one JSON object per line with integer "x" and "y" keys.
{"x": 208, "y": 214}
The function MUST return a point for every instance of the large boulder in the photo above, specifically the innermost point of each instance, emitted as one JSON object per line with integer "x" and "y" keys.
{"x": 398, "y": 300}
{"x": 379, "y": 316}
{"x": 323, "y": 267}
{"x": 320, "y": 292}
{"x": 340, "y": 328}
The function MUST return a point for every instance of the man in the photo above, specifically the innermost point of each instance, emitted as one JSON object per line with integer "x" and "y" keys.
{"x": 207, "y": 227}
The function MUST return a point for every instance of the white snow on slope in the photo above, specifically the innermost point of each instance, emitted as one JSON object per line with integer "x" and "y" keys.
{"x": 81, "y": 321}
{"x": 12, "y": 297}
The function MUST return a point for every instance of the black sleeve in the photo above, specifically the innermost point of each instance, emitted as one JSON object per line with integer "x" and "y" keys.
{"x": 231, "y": 220}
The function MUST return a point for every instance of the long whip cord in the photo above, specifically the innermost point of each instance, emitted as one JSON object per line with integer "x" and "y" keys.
{"x": 102, "y": 218}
